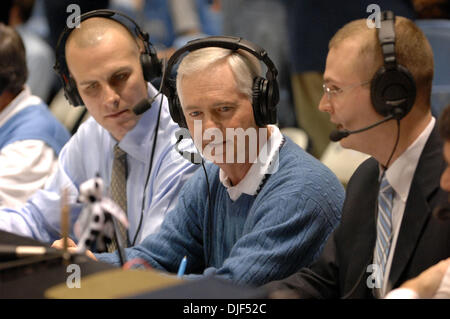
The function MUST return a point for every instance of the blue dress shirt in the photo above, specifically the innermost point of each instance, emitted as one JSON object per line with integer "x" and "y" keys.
{"x": 90, "y": 152}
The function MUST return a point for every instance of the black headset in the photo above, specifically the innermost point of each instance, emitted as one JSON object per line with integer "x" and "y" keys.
{"x": 392, "y": 89}
{"x": 265, "y": 90}
{"x": 151, "y": 65}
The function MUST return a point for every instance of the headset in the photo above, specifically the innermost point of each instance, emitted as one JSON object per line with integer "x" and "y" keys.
{"x": 265, "y": 93}
{"x": 151, "y": 65}
{"x": 392, "y": 88}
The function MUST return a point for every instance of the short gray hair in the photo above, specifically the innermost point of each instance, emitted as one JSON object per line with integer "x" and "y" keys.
{"x": 245, "y": 66}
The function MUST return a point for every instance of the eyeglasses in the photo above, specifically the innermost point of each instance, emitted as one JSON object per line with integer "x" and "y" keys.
{"x": 330, "y": 92}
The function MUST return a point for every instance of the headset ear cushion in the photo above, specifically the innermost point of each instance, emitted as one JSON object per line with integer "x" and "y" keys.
{"x": 390, "y": 86}
{"x": 71, "y": 92}
{"x": 151, "y": 66}
{"x": 147, "y": 67}
{"x": 178, "y": 113}
{"x": 265, "y": 98}
{"x": 258, "y": 100}
{"x": 175, "y": 110}
{"x": 182, "y": 120}
{"x": 273, "y": 97}
{"x": 273, "y": 93}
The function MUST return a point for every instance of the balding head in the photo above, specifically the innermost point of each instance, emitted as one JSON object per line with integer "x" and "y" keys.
{"x": 92, "y": 31}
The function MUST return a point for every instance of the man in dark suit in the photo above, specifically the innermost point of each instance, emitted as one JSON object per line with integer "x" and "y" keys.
{"x": 387, "y": 234}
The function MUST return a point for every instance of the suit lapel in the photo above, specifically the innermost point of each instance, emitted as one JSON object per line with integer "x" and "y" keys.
{"x": 364, "y": 240}
{"x": 417, "y": 210}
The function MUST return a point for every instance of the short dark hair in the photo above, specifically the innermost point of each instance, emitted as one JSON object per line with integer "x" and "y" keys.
{"x": 444, "y": 123}
{"x": 13, "y": 65}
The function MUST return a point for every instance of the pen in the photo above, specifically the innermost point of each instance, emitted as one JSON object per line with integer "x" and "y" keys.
{"x": 65, "y": 223}
{"x": 182, "y": 268}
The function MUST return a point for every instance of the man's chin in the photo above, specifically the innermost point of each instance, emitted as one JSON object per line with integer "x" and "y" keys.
{"x": 121, "y": 129}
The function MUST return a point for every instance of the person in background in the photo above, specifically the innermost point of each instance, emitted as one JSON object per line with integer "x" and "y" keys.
{"x": 30, "y": 136}
{"x": 39, "y": 55}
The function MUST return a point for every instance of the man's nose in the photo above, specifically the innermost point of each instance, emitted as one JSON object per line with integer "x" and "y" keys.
{"x": 325, "y": 104}
{"x": 212, "y": 129}
{"x": 112, "y": 99}
{"x": 209, "y": 122}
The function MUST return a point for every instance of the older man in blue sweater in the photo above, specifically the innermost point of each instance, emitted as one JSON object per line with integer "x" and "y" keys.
{"x": 255, "y": 218}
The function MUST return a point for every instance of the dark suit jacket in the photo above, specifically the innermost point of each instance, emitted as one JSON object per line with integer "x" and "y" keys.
{"x": 340, "y": 271}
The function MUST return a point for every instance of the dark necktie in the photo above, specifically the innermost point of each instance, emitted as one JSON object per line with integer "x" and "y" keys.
{"x": 118, "y": 191}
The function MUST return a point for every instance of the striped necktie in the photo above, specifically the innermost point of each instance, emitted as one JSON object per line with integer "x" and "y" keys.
{"x": 118, "y": 191}
{"x": 384, "y": 226}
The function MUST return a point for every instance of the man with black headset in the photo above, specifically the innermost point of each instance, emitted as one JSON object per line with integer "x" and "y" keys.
{"x": 251, "y": 220}
{"x": 107, "y": 68}
{"x": 387, "y": 234}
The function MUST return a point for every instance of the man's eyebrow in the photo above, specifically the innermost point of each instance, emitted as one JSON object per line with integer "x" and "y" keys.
{"x": 191, "y": 107}
{"x": 87, "y": 82}
{"x": 230, "y": 103}
{"x": 327, "y": 79}
{"x": 221, "y": 103}
{"x": 121, "y": 69}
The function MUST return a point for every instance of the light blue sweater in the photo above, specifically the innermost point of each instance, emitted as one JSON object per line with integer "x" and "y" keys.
{"x": 34, "y": 122}
{"x": 255, "y": 239}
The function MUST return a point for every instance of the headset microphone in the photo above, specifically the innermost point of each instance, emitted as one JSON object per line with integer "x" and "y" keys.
{"x": 396, "y": 113}
{"x": 144, "y": 105}
{"x": 194, "y": 158}
{"x": 338, "y": 135}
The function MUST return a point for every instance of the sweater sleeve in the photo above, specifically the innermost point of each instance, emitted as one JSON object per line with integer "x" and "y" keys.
{"x": 180, "y": 234}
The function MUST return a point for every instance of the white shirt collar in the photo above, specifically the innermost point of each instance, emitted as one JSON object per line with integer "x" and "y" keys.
{"x": 251, "y": 182}
{"x": 21, "y": 101}
{"x": 401, "y": 172}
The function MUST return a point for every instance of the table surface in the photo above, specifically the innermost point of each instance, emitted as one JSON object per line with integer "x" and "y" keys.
{"x": 32, "y": 276}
